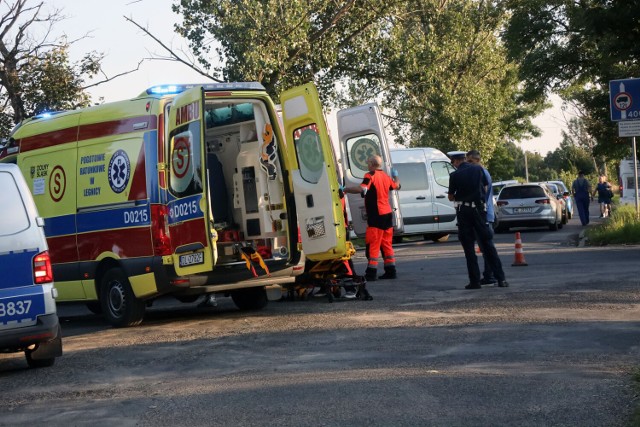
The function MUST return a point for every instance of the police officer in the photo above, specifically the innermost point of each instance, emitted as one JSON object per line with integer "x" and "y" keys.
{"x": 468, "y": 189}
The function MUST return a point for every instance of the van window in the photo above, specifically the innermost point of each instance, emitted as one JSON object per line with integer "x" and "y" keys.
{"x": 15, "y": 218}
{"x": 359, "y": 149}
{"x": 629, "y": 183}
{"x": 185, "y": 163}
{"x": 413, "y": 176}
{"x": 441, "y": 172}
{"x": 309, "y": 152}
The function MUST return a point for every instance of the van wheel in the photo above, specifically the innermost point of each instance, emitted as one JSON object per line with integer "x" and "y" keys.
{"x": 119, "y": 304}
{"x": 437, "y": 238}
{"x": 250, "y": 298}
{"x": 38, "y": 363}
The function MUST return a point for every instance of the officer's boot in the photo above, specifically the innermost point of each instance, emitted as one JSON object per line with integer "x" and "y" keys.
{"x": 389, "y": 272}
{"x": 371, "y": 274}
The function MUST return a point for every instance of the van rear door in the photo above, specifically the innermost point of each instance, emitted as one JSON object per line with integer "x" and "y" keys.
{"x": 190, "y": 226}
{"x": 361, "y": 134}
{"x": 313, "y": 175}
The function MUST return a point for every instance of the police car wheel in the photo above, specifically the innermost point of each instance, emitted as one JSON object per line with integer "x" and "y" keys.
{"x": 38, "y": 363}
{"x": 119, "y": 304}
{"x": 250, "y": 298}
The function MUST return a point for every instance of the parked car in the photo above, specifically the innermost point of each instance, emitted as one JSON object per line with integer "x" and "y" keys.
{"x": 28, "y": 319}
{"x": 528, "y": 205}
{"x": 555, "y": 190}
{"x": 566, "y": 195}
{"x": 499, "y": 185}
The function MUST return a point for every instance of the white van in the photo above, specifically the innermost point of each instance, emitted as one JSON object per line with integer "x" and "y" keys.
{"x": 627, "y": 193}
{"x": 424, "y": 178}
{"x": 28, "y": 319}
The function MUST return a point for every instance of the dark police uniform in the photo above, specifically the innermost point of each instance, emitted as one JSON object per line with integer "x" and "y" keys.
{"x": 467, "y": 184}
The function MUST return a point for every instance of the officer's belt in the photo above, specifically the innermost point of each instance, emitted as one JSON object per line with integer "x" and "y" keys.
{"x": 470, "y": 204}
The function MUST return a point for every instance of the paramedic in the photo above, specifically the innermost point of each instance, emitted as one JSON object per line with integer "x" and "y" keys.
{"x": 467, "y": 187}
{"x": 375, "y": 188}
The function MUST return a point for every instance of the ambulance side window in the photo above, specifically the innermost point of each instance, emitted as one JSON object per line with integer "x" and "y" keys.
{"x": 185, "y": 163}
{"x": 359, "y": 149}
{"x": 309, "y": 152}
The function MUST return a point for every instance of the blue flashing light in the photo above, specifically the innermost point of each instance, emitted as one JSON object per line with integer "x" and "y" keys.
{"x": 175, "y": 89}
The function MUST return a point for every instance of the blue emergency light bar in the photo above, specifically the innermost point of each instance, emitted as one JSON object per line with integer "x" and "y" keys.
{"x": 175, "y": 89}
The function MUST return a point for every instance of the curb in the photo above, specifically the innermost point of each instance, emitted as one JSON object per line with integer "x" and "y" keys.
{"x": 582, "y": 240}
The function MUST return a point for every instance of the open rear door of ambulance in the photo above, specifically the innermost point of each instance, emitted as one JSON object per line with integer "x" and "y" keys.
{"x": 361, "y": 135}
{"x": 189, "y": 220}
{"x": 313, "y": 175}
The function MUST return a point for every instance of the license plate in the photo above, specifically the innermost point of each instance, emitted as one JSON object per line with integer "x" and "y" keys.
{"x": 522, "y": 210}
{"x": 21, "y": 308}
{"x": 192, "y": 259}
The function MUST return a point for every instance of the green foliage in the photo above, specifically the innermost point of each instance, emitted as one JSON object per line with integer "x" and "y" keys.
{"x": 576, "y": 48}
{"x": 621, "y": 227}
{"x": 438, "y": 67}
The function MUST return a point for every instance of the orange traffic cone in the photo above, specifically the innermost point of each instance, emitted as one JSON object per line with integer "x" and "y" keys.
{"x": 519, "y": 261}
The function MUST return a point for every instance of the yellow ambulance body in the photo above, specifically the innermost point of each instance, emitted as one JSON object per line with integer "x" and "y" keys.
{"x": 185, "y": 190}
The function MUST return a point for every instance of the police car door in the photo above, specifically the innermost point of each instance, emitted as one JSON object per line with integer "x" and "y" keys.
{"x": 313, "y": 174}
{"x": 189, "y": 221}
{"x": 361, "y": 134}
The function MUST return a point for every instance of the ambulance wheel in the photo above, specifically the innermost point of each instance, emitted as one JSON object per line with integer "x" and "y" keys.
{"x": 119, "y": 304}
{"x": 250, "y": 298}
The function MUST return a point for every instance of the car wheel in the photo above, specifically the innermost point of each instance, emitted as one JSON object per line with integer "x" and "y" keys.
{"x": 38, "y": 363}
{"x": 250, "y": 298}
{"x": 554, "y": 226}
{"x": 569, "y": 214}
{"x": 119, "y": 304}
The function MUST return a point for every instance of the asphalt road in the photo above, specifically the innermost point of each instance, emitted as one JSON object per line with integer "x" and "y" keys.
{"x": 558, "y": 347}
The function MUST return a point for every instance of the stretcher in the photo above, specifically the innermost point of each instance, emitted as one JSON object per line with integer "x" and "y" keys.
{"x": 334, "y": 278}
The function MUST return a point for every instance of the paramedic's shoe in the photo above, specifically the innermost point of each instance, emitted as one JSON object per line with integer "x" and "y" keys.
{"x": 488, "y": 282}
{"x": 370, "y": 274}
{"x": 473, "y": 286}
{"x": 503, "y": 284}
{"x": 350, "y": 295}
{"x": 388, "y": 275}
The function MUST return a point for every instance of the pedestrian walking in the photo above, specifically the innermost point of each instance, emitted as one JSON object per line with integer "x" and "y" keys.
{"x": 488, "y": 278}
{"x": 375, "y": 188}
{"x": 581, "y": 189}
{"x": 468, "y": 188}
{"x": 603, "y": 189}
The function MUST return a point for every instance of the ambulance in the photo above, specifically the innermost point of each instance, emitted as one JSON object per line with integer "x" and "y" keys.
{"x": 184, "y": 190}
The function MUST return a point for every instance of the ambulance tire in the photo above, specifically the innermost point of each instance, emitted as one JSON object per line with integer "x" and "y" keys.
{"x": 119, "y": 304}
{"x": 250, "y": 298}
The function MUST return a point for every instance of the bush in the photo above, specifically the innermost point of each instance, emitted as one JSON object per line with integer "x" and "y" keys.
{"x": 621, "y": 227}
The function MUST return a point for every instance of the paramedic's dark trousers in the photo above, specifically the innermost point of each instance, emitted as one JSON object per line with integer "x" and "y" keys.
{"x": 487, "y": 273}
{"x": 583, "y": 209}
{"x": 471, "y": 223}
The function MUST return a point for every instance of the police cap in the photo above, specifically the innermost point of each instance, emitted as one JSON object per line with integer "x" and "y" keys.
{"x": 457, "y": 155}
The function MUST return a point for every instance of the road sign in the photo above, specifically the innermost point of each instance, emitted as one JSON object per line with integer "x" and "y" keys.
{"x": 629, "y": 128}
{"x": 624, "y": 97}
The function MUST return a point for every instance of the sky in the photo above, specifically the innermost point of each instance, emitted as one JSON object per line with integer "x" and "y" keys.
{"x": 124, "y": 45}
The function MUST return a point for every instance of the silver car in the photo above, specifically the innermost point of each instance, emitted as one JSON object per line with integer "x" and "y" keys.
{"x": 528, "y": 205}
{"x": 566, "y": 195}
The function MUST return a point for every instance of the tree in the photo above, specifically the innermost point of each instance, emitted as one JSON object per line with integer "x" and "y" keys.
{"x": 575, "y": 48}
{"x": 36, "y": 74}
{"x": 437, "y": 67}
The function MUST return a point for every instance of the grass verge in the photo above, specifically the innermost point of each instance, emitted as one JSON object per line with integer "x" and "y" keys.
{"x": 620, "y": 228}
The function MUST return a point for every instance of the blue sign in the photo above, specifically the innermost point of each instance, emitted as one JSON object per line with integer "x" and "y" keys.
{"x": 624, "y": 98}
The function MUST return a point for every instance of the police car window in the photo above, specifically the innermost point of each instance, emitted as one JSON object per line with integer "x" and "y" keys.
{"x": 359, "y": 149}
{"x": 15, "y": 218}
{"x": 413, "y": 176}
{"x": 185, "y": 177}
{"x": 441, "y": 172}
{"x": 309, "y": 152}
